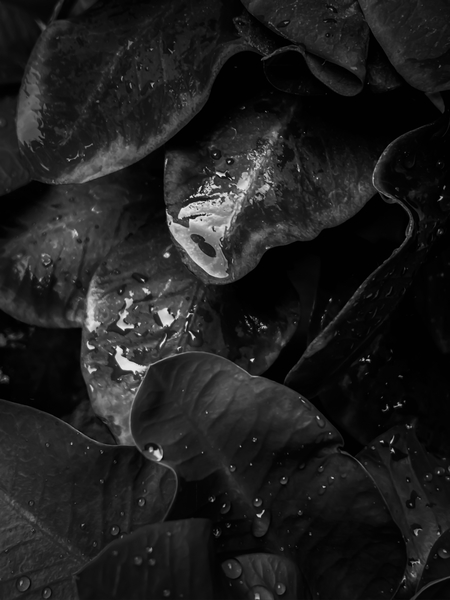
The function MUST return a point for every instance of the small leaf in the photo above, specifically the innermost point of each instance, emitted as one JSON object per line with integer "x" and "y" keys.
{"x": 269, "y": 175}
{"x": 151, "y": 68}
{"x": 63, "y": 498}
{"x": 144, "y": 305}
{"x": 165, "y": 560}
{"x": 263, "y": 464}
{"x": 13, "y": 173}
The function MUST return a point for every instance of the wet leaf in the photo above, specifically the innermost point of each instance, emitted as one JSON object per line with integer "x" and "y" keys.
{"x": 437, "y": 567}
{"x": 415, "y": 37}
{"x": 144, "y": 305}
{"x": 13, "y": 173}
{"x": 416, "y": 487}
{"x": 53, "y": 238}
{"x": 434, "y": 591}
{"x": 64, "y": 497}
{"x": 263, "y": 464}
{"x": 269, "y": 175}
{"x": 412, "y": 172}
{"x": 174, "y": 559}
{"x": 151, "y": 68}
{"x": 333, "y": 37}
{"x": 381, "y": 75}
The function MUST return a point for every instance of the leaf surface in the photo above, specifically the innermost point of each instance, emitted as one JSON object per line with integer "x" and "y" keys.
{"x": 18, "y": 34}
{"x": 13, "y": 173}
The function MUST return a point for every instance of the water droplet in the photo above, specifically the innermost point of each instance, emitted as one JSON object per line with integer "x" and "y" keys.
{"x": 428, "y": 477}
{"x": 300, "y": 512}
{"x": 320, "y": 469}
{"x": 82, "y": 525}
{"x": 284, "y": 480}
{"x": 320, "y": 421}
{"x": 46, "y": 592}
{"x": 416, "y": 528}
{"x": 443, "y": 553}
{"x": 217, "y": 532}
{"x": 439, "y": 471}
{"x": 138, "y": 560}
{"x": 232, "y": 568}
{"x": 215, "y": 154}
{"x": 257, "y": 502}
{"x": 254, "y": 439}
{"x": 94, "y": 544}
{"x": 280, "y": 589}
{"x": 141, "y": 502}
{"x": 260, "y": 593}
{"x": 330, "y": 480}
{"x": 166, "y": 593}
{"x": 115, "y": 530}
{"x": 284, "y": 23}
{"x": 229, "y": 161}
{"x": 23, "y": 584}
{"x": 30, "y": 502}
{"x": 411, "y": 503}
{"x": 152, "y": 562}
{"x": 232, "y": 468}
{"x": 261, "y": 524}
{"x": 225, "y": 508}
{"x": 212, "y": 499}
{"x": 46, "y": 260}
{"x": 322, "y": 490}
{"x": 139, "y": 277}
{"x": 154, "y": 451}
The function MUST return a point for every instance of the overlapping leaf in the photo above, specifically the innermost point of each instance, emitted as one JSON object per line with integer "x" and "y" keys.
{"x": 63, "y": 498}
{"x": 144, "y": 305}
{"x": 18, "y": 34}
{"x": 263, "y": 463}
{"x": 53, "y": 238}
{"x": 151, "y": 68}
{"x": 13, "y": 173}
{"x": 270, "y": 174}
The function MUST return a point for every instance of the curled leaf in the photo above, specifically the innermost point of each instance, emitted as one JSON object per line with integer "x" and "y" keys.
{"x": 269, "y": 175}
{"x": 13, "y": 173}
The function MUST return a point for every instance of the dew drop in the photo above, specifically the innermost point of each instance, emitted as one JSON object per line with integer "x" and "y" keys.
{"x": 225, "y": 508}
{"x": 229, "y": 161}
{"x": 261, "y": 523}
{"x": 216, "y": 154}
{"x": 232, "y": 568}
{"x": 46, "y": 260}
{"x": 260, "y": 593}
{"x": 322, "y": 490}
{"x": 232, "y": 468}
{"x": 152, "y": 562}
{"x": 138, "y": 560}
{"x": 439, "y": 471}
{"x": 320, "y": 469}
{"x": 154, "y": 451}
{"x": 320, "y": 421}
{"x": 257, "y": 502}
{"x": 280, "y": 589}
{"x": 254, "y": 439}
{"x": 330, "y": 480}
{"x": 141, "y": 502}
{"x": 212, "y": 499}
{"x": 443, "y": 553}
{"x": 115, "y": 530}
{"x": 284, "y": 480}
{"x": 82, "y": 525}
{"x": 428, "y": 477}
{"x": 30, "y": 502}
{"x": 23, "y": 584}
{"x": 284, "y": 23}
{"x": 46, "y": 592}
{"x": 217, "y": 532}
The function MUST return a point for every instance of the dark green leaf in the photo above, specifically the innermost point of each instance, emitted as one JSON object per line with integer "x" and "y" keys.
{"x": 150, "y": 69}
{"x": 439, "y": 590}
{"x": 264, "y": 464}
{"x": 13, "y": 173}
{"x": 174, "y": 559}
{"x": 144, "y": 305}
{"x": 270, "y": 174}
{"x": 18, "y": 34}
{"x": 63, "y": 498}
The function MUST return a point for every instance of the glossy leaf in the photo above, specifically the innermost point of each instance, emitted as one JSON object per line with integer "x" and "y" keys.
{"x": 144, "y": 305}
{"x": 434, "y": 591}
{"x": 18, "y": 34}
{"x": 263, "y": 463}
{"x": 174, "y": 559}
{"x": 53, "y": 238}
{"x": 63, "y": 498}
{"x": 13, "y": 173}
{"x": 411, "y": 171}
{"x": 269, "y": 175}
{"x": 151, "y": 68}
{"x": 416, "y": 486}
{"x": 415, "y": 37}
{"x": 332, "y": 36}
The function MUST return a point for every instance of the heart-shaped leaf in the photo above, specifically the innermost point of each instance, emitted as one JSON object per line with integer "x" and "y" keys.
{"x": 416, "y": 486}
{"x": 415, "y": 37}
{"x": 174, "y": 559}
{"x": 18, "y": 34}
{"x": 332, "y": 36}
{"x": 144, "y": 305}
{"x": 265, "y": 466}
{"x": 13, "y": 173}
{"x": 53, "y": 238}
{"x": 269, "y": 175}
{"x": 152, "y": 65}
{"x": 412, "y": 172}
{"x": 63, "y": 498}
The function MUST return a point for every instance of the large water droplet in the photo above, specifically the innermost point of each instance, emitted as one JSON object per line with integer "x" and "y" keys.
{"x": 216, "y": 154}
{"x": 46, "y": 593}
{"x": 261, "y": 524}
{"x": 280, "y": 589}
{"x": 154, "y": 451}
{"x": 284, "y": 480}
{"x": 23, "y": 584}
{"x": 260, "y": 593}
{"x": 115, "y": 530}
{"x": 257, "y": 502}
{"x": 232, "y": 568}
{"x": 443, "y": 553}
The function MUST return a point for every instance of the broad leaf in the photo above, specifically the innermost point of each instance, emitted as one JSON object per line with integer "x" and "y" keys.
{"x": 332, "y": 37}
{"x": 151, "y": 68}
{"x": 416, "y": 486}
{"x": 144, "y": 305}
{"x": 53, "y": 238}
{"x": 263, "y": 463}
{"x": 13, "y": 173}
{"x": 438, "y": 590}
{"x": 270, "y": 174}
{"x": 411, "y": 171}
{"x": 18, "y": 34}
{"x": 174, "y": 559}
{"x": 415, "y": 37}
{"x": 63, "y": 498}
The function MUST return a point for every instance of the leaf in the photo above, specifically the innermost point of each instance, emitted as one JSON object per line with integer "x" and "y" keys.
{"x": 434, "y": 591}
{"x": 333, "y": 37}
{"x": 174, "y": 559}
{"x": 269, "y": 175}
{"x": 13, "y": 173}
{"x": 63, "y": 498}
{"x": 411, "y": 171}
{"x": 381, "y": 75}
{"x": 144, "y": 305}
{"x": 416, "y": 487}
{"x": 152, "y": 65}
{"x": 437, "y": 567}
{"x": 264, "y": 465}
{"x": 53, "y": 238}
{"x": 415, "y": 38}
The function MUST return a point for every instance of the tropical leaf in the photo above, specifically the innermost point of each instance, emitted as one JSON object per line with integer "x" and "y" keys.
{"x": 13, "y": 173}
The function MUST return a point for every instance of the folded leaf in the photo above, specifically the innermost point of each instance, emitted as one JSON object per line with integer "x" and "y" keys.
{"x": 63, "y": 498}
{"x": 263, "y": 464}
{"x": 13, "y": 173}
{"x": 165, "y": 560}
{"x": 416, "y": 38}
{"x": 53, "y": 238}
{"x": 144, "y": 305}
{"x": 151, "y": 68}
{"x": 411, "y": 171}
{"x": 269, "y": 175}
